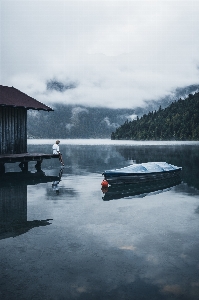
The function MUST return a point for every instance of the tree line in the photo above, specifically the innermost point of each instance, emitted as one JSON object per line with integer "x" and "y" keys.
{"x": 179, "y": 121}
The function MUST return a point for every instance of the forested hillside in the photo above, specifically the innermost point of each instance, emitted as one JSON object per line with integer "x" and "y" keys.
{"x": 179, "y": 121}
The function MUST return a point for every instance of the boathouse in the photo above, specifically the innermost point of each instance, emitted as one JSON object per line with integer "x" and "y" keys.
{"x": 13, "y": 126}
{"x": 13, "y": 119}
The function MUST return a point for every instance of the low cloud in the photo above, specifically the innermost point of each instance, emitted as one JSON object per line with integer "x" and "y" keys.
{"x": 76, "y": 112}
{"x": 116, "y": 56}
{"x": 132, "y": 117}
{"x": 107, "y": 122}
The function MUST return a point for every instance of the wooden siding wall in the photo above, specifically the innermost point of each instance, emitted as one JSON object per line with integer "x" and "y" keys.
{"x": 13, "y": 130}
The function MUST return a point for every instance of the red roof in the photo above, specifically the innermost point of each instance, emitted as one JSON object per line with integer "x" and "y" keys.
{"x": 9, "y": 96}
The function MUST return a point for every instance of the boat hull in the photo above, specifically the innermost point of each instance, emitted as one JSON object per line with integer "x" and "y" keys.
{"x": 121, "y": 176}
{"x": 130, "y": 190}
{"x": 138, "y": 178}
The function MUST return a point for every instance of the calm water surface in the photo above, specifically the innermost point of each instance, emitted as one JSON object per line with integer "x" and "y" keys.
{"x": 62, "y": 237}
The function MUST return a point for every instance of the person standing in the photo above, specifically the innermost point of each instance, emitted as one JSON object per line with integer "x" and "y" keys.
{"x": 56, "y": 151}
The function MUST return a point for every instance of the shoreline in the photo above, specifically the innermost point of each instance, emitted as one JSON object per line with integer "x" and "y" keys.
{"x": 109, "y": 142}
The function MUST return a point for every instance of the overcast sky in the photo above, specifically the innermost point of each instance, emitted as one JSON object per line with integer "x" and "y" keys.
{"x": 114, "y": 54}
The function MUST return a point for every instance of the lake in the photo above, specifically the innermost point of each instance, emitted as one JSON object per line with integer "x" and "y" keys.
{"x": 62, "y": 237}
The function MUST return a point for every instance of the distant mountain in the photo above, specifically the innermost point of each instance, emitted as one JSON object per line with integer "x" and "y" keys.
{"x": 76, "y": 122}
{"x": 179, "y": 121}
{"x": 68, "y": 121}
{"x": 165, "y": 101}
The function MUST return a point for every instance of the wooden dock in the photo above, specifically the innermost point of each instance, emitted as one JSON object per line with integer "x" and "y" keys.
{"x": 14, "y": 105}
{"x": 23, "y": 159}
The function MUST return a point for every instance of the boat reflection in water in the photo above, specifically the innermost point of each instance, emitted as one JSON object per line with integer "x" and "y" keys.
{"x": 128, "y": 190}
{"x": 13, "y": 202}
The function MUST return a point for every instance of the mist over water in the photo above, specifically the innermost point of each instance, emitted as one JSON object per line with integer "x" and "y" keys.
{"x": 62, "y": 237}
{"x": 109, "y": 142}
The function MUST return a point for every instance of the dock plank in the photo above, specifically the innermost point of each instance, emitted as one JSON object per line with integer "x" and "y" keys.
{"x": 26, "y": 157}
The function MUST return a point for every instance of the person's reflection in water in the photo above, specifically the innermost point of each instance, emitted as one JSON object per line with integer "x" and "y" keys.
{"x": 55, "y": 184}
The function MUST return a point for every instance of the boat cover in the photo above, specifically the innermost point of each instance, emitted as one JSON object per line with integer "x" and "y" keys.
{"x": 149, "y": 167}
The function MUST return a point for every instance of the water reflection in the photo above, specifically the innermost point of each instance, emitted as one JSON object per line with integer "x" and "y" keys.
{"x": 95, "y": 159}
{"x": 55, "y": 183}
{"x": 115, "y": 191}
{"x": 98, "y": 249}
{"x": 13, "y": 202}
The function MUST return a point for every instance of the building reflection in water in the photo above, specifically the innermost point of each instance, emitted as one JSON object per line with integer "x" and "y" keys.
{"x": 13, "y": 201}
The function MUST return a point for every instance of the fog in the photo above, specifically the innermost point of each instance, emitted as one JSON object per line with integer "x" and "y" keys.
{"x": 115, "y": 54}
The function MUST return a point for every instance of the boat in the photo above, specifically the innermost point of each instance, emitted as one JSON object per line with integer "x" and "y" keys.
{"x": 131, "y": 190}
{"x": 138, "y": 173}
